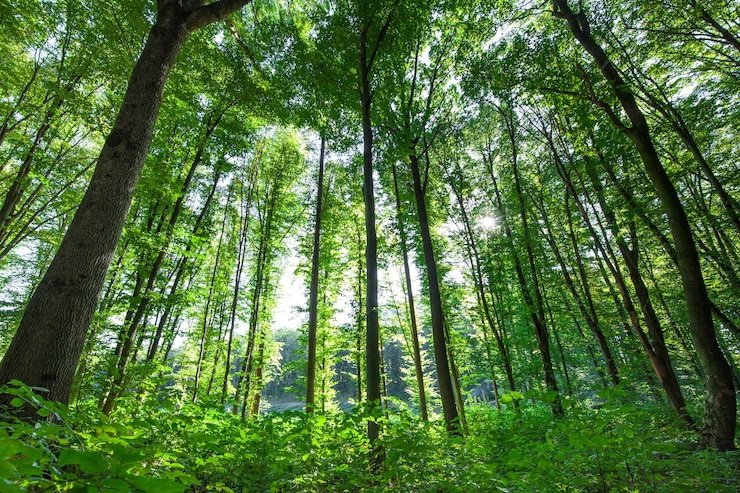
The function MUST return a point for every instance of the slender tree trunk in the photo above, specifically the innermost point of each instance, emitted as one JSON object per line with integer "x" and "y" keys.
{"x": 654, "y": 347}
{"x": 444, "y": 379}
{"x": 20, "y": 182}
{"x": 372, "y": 331}
{"x": 244, "y": 219}
{"x": 254, "y": 404}
{"x": 360, "y": 316}
{"x": 586, "y": 307}
{"x": 313, "y": 302}
{"x": 143, "y": 292}
{"x": 416, "y": 350}
{"x": 532, "y": 295}
{"x": 180, "y": 269}
{"x": 471, "y": 247}
{"x": 207, "y": 309}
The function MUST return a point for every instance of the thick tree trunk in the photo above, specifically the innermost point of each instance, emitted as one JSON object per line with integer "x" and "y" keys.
{"x": 50, "y": 338}
{"x": 51, "y": 335}
{"x": 720, "y": 403}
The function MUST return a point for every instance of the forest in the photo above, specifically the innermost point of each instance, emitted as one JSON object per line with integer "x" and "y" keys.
{"x": 369, "y": 245}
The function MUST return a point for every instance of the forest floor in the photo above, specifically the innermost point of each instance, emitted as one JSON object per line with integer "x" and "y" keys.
{"x": 617, "y": 447}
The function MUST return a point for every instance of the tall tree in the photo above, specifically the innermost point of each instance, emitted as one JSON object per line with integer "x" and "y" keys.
{"x": 51, "y": 335}
{"x": 720, "y": 404}
{"x": 313, "y": 303}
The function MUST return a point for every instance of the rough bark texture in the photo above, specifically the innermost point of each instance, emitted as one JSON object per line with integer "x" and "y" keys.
{"x": 720, "y": 404}
{"x": 51, "y": 335}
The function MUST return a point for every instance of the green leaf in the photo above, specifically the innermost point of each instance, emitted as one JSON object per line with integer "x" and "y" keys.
{"x": 17, "y": 402}
{"x": 89, "y": 462}
{"x": 114, "y": 484}
{"x": 549, "y": 397}
{"x": 157, "y": 485}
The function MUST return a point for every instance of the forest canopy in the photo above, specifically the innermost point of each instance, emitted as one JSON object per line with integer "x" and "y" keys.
{"x": 369, "y": 245}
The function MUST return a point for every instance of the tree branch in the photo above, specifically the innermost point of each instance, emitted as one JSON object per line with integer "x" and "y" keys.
{"x": 599, "y": 103}
{"x": 213, "y": 12}
{"x": 245, "y": 48}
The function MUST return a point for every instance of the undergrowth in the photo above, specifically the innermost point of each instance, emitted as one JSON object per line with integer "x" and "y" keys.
{"x": 615, "y": 448}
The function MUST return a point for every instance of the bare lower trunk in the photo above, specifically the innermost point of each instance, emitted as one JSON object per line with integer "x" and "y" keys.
{"x": 720, "y": 403}
{"x": 50, "y": 338}
{"x": 313, "y": 303}
{"x": 444, "y": 378}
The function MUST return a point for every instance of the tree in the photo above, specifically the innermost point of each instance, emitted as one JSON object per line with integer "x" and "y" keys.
{"x": 51, "y": 335}
{"x": 720, "y": 405}
{"x": 313, "y": 304}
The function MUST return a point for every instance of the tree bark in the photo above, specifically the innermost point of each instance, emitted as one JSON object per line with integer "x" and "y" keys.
{"x": 444, "y": 379}
{"x": 416, "y": 350}
{"x": 720, "y": 402}
{"x": 313, "y": 302}
{"x": 51, "y": 335}
{"x": 372, "y": 335}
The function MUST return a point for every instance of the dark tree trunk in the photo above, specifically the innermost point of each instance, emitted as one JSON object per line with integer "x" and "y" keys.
{"x": 720, "y": 402}
{"x": 313, "y": 302}
{"x": 416, "y": 350}
{"x": 51, "y": 335}
{"x": 446, "y": 392}
{"x": 372, "y": 351}
{"x": 50, "y": 338}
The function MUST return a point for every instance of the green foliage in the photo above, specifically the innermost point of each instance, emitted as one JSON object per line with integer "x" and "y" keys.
{"x": 612, "y": 447}
{"x": 73, "y": 451}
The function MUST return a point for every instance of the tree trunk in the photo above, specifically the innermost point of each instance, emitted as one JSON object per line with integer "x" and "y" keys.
{"x": 50, "y": 338}
{"x": 532, "y": 295}
{"x": 416, "y": 350}
{"x": 244, "y": 219}
{"x": 372, "y": 335}
{"x": 654, "y": 347}
{"x": 313, "y": 302}
{"x": 586, "y": 307}
{"x": 207, "y": 309}
{"x": 46, "y": 348}
{"x": 720, "y": 402}
{"x": 444, "y": 379}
